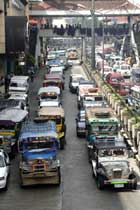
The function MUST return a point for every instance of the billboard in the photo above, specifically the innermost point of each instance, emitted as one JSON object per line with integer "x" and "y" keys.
{"x": 16, "y": 32}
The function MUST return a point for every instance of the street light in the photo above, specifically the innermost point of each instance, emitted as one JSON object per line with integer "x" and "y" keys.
{"x": 93, "y": 35}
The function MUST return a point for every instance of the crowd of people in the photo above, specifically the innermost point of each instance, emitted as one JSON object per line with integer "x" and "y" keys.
{"x": 72, "y": 29}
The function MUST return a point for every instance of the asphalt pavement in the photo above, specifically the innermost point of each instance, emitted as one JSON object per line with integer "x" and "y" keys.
{"x": 78, "y": 190}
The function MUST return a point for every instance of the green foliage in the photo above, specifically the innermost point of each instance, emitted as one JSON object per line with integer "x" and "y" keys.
{"x": 30, "y": 59}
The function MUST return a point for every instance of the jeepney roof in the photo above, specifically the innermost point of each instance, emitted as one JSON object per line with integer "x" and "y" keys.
{"x": 20, "y": 96}
{"x": 104, "y": 114}
{"x": 17, "y": 78}
{"x": 8, "y": 103}
{"x": 53, "y": 76}
{"x": 53, "y": 111}
{"x": 32, "y": 129}
{"x": 49, "y": 89}
{"x": 12, "y": 114}
{"x": 110, "y": 144}
{"x": 88, "y": 90}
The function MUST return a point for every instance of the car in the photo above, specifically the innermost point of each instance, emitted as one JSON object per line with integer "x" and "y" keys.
{"x": 125, "y": 70}
{"x": 74, "y": 82}
{"x": 4, "y": 169}
{"x": 81, "y": 124}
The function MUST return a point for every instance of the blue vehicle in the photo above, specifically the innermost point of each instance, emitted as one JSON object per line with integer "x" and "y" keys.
{"x": 38, "y": 146}
{"x": 135, "y": 75}
{"x": 134, "y": 98}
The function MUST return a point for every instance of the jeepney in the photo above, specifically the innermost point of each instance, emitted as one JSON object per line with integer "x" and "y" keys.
{"x": 56, "y": 114}
{"x": 19, "y": 84}
{"x": 38, "y": 149}
{"x": 111, "y": 166}
{"x": 56, "y": 77}
{"x": 101, "y": 121}
{"x": 85, "y": 90}
{"x": 50, "y": 93}
{"x": 11, "y": 120}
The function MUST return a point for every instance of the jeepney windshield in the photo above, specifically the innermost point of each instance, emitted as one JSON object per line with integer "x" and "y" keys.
{"x": 7, "y": 127}
{"x": 43, "y": 96}
{"x": 111, "y": 129}
{"x": 112, "y": 152}
{"x": 38, "y": 145}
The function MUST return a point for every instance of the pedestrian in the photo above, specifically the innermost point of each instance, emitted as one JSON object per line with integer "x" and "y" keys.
{"x": 32, "y": 75}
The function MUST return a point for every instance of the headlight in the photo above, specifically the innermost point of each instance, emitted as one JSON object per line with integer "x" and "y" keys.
{"x": 2, "y": 178}
{"x": 25, "y": 166}
{"x": 55, "y": 164}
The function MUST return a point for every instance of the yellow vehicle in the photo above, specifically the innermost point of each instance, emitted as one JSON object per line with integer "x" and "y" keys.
{"x": 56, "y": 114}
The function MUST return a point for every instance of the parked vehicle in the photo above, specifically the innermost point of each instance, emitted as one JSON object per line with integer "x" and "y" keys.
{"x": 81, "y": 124}
{"x": 4, "y": 169}
{"x": 39, "y": 164}
{"x": 111, "y": 166}
{"x": 123, "y": 89}
{"x": 49, "y": 93}
{"x": 22, "y": 98}
{"x": 114, "y": 78}
{"x": 11, "y": 120}
{"x": 85, "y": 90}
{"x": 134, "y": 98}
{"x": 135, "y": 76}
{"x": 74, "y": 82}
{"x": 101, "y": 121}
{"x": 54, "y": 80}
{"x": 19, "y": 84}
{"x": 125, "y": 70}
{"x": 56, "y": 114}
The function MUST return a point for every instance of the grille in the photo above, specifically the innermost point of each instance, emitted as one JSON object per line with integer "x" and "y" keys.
{"x": 117, "y": 174}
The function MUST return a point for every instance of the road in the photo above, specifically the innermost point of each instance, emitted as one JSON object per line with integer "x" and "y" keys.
{"x": 78, "y": 190}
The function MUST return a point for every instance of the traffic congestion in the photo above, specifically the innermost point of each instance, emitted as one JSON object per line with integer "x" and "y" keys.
{"x": 49, "y": 124}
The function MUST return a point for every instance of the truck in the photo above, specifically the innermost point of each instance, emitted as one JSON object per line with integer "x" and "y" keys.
{"x": 38, "y": 149}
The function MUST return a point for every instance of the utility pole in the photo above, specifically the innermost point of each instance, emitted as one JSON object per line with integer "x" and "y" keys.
{"x": 93, "y": 36}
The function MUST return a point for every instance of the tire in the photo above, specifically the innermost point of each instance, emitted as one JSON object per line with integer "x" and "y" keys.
{"x": 62, "y": 143}
{"x": 100, "y": 182}
{"x": 59, "y": 176}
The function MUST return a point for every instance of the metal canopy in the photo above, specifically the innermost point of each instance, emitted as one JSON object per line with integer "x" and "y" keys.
{"x": 85, "y": 13}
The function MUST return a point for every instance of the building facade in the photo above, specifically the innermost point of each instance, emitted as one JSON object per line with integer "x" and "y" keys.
{"x": 13, "y": 30}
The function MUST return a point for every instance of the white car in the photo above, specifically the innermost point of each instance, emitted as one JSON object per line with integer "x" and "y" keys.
{"x": 125, "y": 70}
{"x": 4, "y": 169}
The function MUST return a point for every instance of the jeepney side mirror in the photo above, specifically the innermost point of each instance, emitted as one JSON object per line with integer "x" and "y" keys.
{"x": 76, "y": 119}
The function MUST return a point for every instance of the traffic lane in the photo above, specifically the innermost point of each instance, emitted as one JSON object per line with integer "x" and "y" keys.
{"x": 79, "y": 187}
{"x": 33, "y": 198}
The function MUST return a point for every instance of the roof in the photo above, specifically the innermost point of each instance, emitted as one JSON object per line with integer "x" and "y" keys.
{"x": 49, "y": 89}
{"x": 100, "y": 114}
{"x": 17, "y": 78}
{"x": 8, "y": 103}
{"x": 13, "y": 115}
{"x": 110, "y": 144}
{"x": 51, "y": 111}
{"x": 32, "y": 129}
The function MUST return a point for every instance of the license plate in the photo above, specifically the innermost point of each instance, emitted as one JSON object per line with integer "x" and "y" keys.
{"x": 118, "y": 185}
{"x": 39, "y": 175}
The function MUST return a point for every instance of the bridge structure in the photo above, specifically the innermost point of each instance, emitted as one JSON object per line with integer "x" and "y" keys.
{"x": 69, "y": 8}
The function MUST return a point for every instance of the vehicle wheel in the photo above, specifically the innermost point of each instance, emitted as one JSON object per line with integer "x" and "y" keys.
{"x": 134, "y": 185}
{"x": 62, "y": 143}
{"x": 100, "y": 182}
{"x": 6, "y": 186}
{"x": 59, "y": 176}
